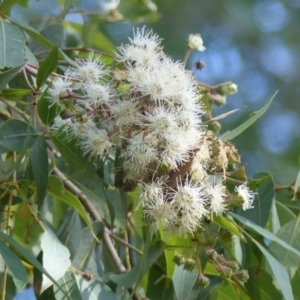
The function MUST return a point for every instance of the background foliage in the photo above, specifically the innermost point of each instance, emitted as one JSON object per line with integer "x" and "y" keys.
{"x": 254, "y": 44}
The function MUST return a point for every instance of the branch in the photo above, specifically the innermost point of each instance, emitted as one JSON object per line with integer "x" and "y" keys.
{"x": 94, "y": 215}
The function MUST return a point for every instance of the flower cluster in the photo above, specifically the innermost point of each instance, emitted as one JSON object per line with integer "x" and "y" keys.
{"x": 150, "y": 109}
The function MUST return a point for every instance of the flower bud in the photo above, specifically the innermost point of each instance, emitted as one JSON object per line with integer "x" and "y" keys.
{"x": 212, "y": 254}
{"x": 177, "y": 259}
{"x": 233, "y": 265}
{"x": 227, "y": 88}
{"x": 203, "y": 281}
{"x": 195, "y": 42}
{"x": 225, "y": 272}
{"x": 214, "y": 126}
{"x": 189, "y": 264}
{"x": 242, "y": 275}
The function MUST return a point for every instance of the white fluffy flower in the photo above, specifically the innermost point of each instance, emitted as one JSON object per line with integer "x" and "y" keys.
{"x": 140, "y": 151}
{"x": 246, "y": 195}
{"x": 146, "y": 39}
{"x": 59, "y": 89}
{"x": 160, "y": 120}
{"x": 95, "y": 142}
{"x": 189, "y": 202}
{"x": 97, "y": 94}
{"x": 89, "y": 69}
{"x": 195, "y": 42}
{"x": 61, "y": 125}
{"x": 125, "y": 112}
{"x": 156, "y": 207}
{"x": 216, "y": 196}
{"x": 81, "y": 129}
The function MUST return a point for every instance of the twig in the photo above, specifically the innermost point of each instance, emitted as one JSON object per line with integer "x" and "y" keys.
{"x": 94, "y": 215}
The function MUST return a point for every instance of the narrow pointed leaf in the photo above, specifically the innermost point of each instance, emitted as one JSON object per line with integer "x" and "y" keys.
{"x": 47, "y": 110}
{"x": 48, "y": 66}
{"x": 15, "y": 266}
{"x": 265, "y": 233}
{"x": 39, "y": 164}
{"x": 290, "y": 233}
{"x": 27, "y": 255}
{"x": 229, "y": 135}
{"x": 56, "y": 189}
{"x": 279, "y": 271}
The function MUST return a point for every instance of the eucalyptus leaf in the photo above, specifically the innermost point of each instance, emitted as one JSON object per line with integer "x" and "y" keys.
{"x": 56, "y": 258}
{"x": 47, "y": 110}
{"x": 12, "y": 45}
{"x": 8, "y": 75}
{"x": 14, "y": 132}
{"x": 94, "y": 289}
{"x": 183, "y": 281}
{"x": 15, "y": 266}
{"x": 27, "y": 255}
{"x": 279, "y": 272}
{"x": 290, "y": 233}
{"x": 229, "y": 135}
{"x": 48, "y": 66}
{"x": 39, "y": 165}
{"x": 260, "y": 284}
{"x": 265, "y": 233}
{"x": 56, "y": 188}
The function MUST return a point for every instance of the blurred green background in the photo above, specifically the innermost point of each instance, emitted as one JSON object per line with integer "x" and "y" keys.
{"x": 255, "y": 44}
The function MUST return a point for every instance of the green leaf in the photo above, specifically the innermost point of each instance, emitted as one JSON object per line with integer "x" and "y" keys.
{"x": 150, "y": 255}
{"x": 260, "y": 284}
{"x": 179, "y": 242}
{"x": 6, "y": 5}
{"x": 140, "y": 269}
{"x": 56, "y": 189}
{"x": 27, "y": 231}
{"x": 93, "y": 37}
{"x": 12, "y": 45}
{"x": 56, "y": 258}
{"x": 285, "y": 215}
{"x": 15, "y": 266}
{"x": 39, "y": 38}
{"x": 7, "y": 76}
{"x": 279, "y": 272}
{"x": 47, "y": 111}
{"x": 229, "y": 135}
{"x": 71, "y": 153}
{"x": 183, "y": 281}
{"x": 39, "y": 165}
{"x": 295, "y": 283}
{"x": 87, "y": 245}
{"x": 48, "y": 66}
{"x": 28, "y": 256}
{"x": 53, "y": 33}
{"x": 229, "y": 225}
{"x": 94, "y": 289}
{"x": 265, "y": 233}
{"x": 263, "y": 199}
{"x": 228, "y": 291}
{"x": 14, "y": 94}
{"x": 290, "y": 233}
{"x": 68, "y": 288}
{"x": 13, "y": 134}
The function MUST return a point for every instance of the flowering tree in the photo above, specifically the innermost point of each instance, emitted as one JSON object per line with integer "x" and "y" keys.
{"x": 115, "y": 181}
